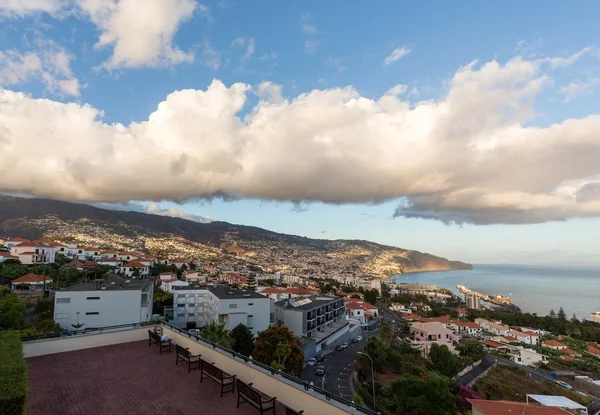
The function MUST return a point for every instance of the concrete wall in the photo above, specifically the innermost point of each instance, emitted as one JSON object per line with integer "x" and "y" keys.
{"x": 285, "y": 391}
{"x": 113, "y": 308}
{"x": 83, "y": 341}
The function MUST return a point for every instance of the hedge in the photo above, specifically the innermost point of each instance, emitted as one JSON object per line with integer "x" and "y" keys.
{"x": 13, "y": 374}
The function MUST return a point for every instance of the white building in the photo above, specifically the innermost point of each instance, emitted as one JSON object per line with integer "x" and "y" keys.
{"x": 10, "y": 242}
{"x": 528, "y": 357}
{"x": 102, "y": 304}
{"x": 169, "y": 285}
{"x": 32, "y": 282}
{"x": 5, "y": 255}
{"x": 401, "y": 308}
{"x": 34, "y": 252}
{"x": 199, "y": 306}
{"x": 130, "y": 268}
{"x": 472, "y": 300}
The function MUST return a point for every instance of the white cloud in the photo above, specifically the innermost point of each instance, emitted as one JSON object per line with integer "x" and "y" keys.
{"x": 140, "y": 32}
{"x": 396, "y": 54}
{"x": 49, "y": 64}
{"x": 210, "y": 56}
{"x": 249, "y": 49}
{"x": 243, "y": 42}
{"x": 336, "y": 63}
{"x": 154, "y": 209}
{"x": 578, "y": 88}
{"x": 570, "y": 60}
{"x": 310, "y": 46}
{"x": 469, "y": 156}
{"x": 25, "y": 8}
{"x": 397, "y": 90}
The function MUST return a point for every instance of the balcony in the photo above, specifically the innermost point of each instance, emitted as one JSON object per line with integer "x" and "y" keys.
{"x": 134, "y": 378}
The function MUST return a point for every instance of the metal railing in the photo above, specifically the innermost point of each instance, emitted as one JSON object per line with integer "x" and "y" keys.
{"x": 89, "y": 330}
{"x": 306, "y": 385}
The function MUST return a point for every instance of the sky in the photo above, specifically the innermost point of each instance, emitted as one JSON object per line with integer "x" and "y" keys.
{"x": 465, "y": 129}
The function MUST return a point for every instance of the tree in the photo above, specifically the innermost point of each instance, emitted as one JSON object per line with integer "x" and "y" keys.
{"x": 243, "y": 340}
{"x": 11, "y": 311}
{"x": 371, "y": 296}
{"x": 574, "y": 319}
{"x": 217, "y": 333}
{"x": 428, "y": 393}
{"x": 562, "y": 316}
{"x": 385, "y": 333}
{"x": 443, "y": 361}
{"x": 552, "y": 313}
{"x": 160, "y": 300}
{"x": 378, "y": 352}
{"x": 269, "y": 347}
{"x": 471, "y": 349}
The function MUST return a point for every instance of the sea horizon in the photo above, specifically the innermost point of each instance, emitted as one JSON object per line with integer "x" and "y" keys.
{"x": 533, "y": 288}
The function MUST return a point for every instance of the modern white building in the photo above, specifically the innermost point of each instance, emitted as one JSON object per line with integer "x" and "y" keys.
{"x": 195, "y": 307}
{"x": 527, "y": 357}
{"x": 472, "y": 300}
{"x": 101, "y": 304}
{"x": 129, "y": 269}
{"x": 316, "y": 317}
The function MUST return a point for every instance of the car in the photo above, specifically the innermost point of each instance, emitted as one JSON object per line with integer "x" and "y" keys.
{"x": 320, "y": 357}
{"x": 311, "y": 362}
{"x": 344, "y": 345}
{"x": 194, "y": 331}
{"x": 359, "y": 338}
{"x": 339, "y": 348}
{"x": 355, "y": 340}
{"x": 320, "y": 370}
{"x": 564, "y": 384}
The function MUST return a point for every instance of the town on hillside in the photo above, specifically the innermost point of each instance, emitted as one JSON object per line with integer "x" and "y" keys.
{"x": 369, "y": 342}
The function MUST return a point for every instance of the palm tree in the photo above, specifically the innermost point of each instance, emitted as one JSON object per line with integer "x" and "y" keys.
{"x": 282, "y": 352}
{"x": 216, "y": 333}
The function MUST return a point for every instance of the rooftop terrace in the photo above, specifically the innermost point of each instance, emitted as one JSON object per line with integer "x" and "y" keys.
{"x": 117, "y": 372}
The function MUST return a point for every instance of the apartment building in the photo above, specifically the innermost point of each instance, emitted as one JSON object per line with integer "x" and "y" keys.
{"x": 473, "y": 301}
{"x": 130, "y": 268}
{"x": 102, "y": 304}
{"x": 34, "y": 252}
{"x": 195, "y": 307}
{"x": 310, "y": 316}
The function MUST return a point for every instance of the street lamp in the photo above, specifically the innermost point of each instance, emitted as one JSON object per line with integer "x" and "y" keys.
{"x": 372, "y": 377}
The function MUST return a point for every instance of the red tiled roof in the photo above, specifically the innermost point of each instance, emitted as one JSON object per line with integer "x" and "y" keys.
{"x": 15, "y": 239}
{"x": 7, "y": 255}
{"x": 413, "y": 317}
{"x": 492, "y": 343}
{"x": 593, "y": 350}
{"x": 567, "y": 358}
{"x": 553, "y": 343}
{"x": 571, "y": 352}
{"x": 33, "y": 244}
{"x": 32, "y": 278}
{"x": 531, "y": 333}
{"x": 169, "y": 281}
{"x": 134, "y": 264}
{"x": 468, "y": 324}
{"x": 344, "y": 294}
{"x": 514, "y": 408}
{"x": 510, "y": 339}
{"x": 442, "y": 319}
{"x": 167, "y": 273}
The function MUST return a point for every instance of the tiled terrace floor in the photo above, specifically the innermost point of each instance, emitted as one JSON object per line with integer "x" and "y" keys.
{"x": 127, "y": 378}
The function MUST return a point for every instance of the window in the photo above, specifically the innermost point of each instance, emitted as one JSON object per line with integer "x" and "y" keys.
{"x": 63, "y": 301}
{"x": 62, "y": 316}
{"x": 93, "y": 298}
{"x": 180, "y": 315}
{"x": 250, "y": 315}
{"x": 232, "y": 305}
{"x": 144, "y": 299}
{"x": 180, "y": 305}
{"x": 191, "y": 315}
{"x": 250, "y": 303}
{"x": 250, "y": 328}
{"x": 92, "y": 313}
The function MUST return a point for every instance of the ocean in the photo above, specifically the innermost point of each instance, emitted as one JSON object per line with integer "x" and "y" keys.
{"x": 534, "y": 289}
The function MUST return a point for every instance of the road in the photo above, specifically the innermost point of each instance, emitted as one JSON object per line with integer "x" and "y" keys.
{"x": 338, "y": 369}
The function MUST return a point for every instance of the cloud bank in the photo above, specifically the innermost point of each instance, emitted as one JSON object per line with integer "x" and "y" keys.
{"x": 468, "y": 157}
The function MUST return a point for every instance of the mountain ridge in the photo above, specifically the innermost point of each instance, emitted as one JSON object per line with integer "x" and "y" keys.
{"x": 34, "y": 218}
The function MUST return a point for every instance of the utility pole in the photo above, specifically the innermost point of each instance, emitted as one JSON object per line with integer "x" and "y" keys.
{"x": 372, "y": 377}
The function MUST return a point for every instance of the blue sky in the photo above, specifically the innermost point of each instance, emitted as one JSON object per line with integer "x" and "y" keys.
{"x": 320, "y": 46}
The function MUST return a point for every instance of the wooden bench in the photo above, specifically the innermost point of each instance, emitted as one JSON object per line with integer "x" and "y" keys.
{"x": 154, "y": 338}
{"x": 246, "y": 393}
{"x": 209, "y": 370}
{"x": 184, "y": 355}
{"x": 290, "y": 411}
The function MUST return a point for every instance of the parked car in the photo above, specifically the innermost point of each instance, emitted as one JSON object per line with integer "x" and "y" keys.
{"x": 320, "y": 370}
{"x": 311, "y": 362}
{"x": 344, "y": 345}
{"x": 320, "y": 357}
{"x": 355, "y": 340}
{"x": 358, "y": 338}
{"x": 339, "y": 348}
{"x": 564, "y": 384}
{"x": 194, "y": 331}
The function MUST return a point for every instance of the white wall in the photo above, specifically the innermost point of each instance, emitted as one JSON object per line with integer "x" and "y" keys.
{"x": 256, "y": 312}
{"x": 114, "y": 307}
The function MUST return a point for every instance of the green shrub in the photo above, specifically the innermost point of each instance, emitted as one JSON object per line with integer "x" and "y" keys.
{"x": 13, "y": 374}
